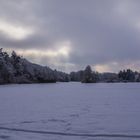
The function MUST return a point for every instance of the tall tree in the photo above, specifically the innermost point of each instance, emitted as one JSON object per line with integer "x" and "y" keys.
{"x": 88, "y": 76}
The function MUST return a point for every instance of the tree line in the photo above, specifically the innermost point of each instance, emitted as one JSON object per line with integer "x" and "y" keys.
{"x": 89, "y": 76}
{"x": 16, "y": 69}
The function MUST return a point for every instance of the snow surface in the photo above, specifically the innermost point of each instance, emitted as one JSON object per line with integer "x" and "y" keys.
{"x": 49, "y": 111}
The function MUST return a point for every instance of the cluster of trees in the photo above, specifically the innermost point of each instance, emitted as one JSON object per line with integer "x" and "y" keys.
{"x": 85, "y": 76}
{"x": 15, "y": 69}
{"x": 89, "y": 76}
{"x": 129, "y": 76}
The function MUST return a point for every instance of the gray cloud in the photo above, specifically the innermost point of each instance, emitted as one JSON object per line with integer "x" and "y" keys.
{"x": 100, "y": 32}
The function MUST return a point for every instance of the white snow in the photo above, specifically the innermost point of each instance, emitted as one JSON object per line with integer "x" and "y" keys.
{"x": 71, "y": 108}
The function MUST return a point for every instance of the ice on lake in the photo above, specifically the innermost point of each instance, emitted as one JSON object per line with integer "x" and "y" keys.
{"x": 81, "y": 111}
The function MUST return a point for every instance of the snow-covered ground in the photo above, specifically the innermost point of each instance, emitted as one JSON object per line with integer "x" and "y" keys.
{"x": 70, "y": 111}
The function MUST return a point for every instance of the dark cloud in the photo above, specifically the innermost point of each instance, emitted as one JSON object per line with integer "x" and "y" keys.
{"x": 100, "y": 32}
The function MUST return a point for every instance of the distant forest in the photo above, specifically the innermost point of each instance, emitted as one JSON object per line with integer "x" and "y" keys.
{"x": 16, "y": 69}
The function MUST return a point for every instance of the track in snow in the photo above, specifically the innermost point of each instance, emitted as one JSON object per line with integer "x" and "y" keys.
{"x": 71, "y": 134}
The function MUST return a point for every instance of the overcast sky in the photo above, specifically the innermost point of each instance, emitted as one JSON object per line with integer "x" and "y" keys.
{"x": 69, "y": 34}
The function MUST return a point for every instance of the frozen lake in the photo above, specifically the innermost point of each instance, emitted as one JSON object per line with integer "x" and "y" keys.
{"x": 70, "y": 111}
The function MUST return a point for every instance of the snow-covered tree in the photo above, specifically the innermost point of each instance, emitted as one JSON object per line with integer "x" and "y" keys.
{"x": 89, "y": 76}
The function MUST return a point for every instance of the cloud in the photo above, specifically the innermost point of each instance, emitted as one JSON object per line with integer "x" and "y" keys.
{"x": 14, "y": 32}
{"x": 101, "y": 33}
{"x": 62, "y": 50}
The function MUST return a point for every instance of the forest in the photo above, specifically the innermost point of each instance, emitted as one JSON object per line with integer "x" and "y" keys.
{"x": 16, "y": 69}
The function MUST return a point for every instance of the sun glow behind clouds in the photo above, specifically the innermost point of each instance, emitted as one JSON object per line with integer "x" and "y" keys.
{"x": 13, "y": 31}
{"x": 64, "y": 51}
{"x": 108, "y": 67}
{"x": 55, "y": 54}
{"x": 116, "y": 66}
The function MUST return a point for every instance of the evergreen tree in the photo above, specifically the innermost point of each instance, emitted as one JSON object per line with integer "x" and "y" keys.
{"x": 127, "y": 75}
{"x": 88, "y": 76}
